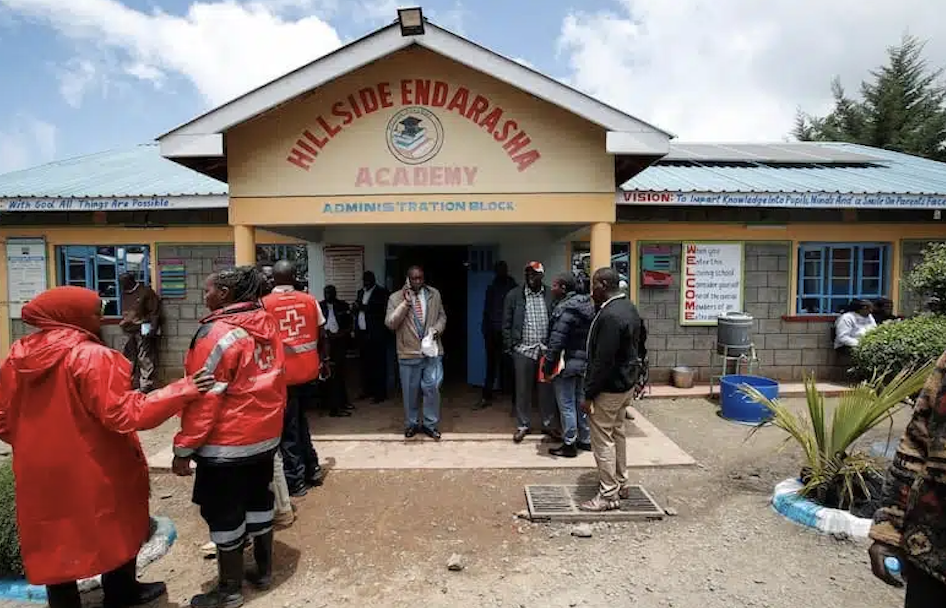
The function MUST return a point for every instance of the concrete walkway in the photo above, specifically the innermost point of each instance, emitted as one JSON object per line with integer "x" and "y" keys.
{"x": 646, "y": 447}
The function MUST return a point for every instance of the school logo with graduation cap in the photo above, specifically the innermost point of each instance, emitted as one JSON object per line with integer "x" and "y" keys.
{"x": 414, "y": 135}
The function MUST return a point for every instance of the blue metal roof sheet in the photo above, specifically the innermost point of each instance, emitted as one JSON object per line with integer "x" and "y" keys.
{"x": 140, "y": 171}
{"x": 889, "y": 173}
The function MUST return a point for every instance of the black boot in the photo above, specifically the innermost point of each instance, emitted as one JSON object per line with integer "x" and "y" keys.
{"x": 121, "y": 588}
{"x": 65, "y": 595}
{"x": 262, "y": 577}
{"x": 228, "y": 593}
{"x": 566, "y": 451}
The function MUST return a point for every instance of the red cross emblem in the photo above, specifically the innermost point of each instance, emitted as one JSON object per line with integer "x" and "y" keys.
{"x": 292, "y": 323}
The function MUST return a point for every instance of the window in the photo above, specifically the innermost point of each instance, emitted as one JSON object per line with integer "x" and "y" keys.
{"x": 581, "y": 263}
{"x": 830, "y": 275}
{"x": 98, "y": 268}
{"x": 298, "y": 254}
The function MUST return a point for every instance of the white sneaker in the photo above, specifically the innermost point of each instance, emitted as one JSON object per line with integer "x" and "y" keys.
{"x": 209, "y": 550}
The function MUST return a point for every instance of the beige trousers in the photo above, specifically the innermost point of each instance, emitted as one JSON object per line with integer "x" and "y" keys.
{"x": 280, "y": 487}
{"x": 609, "y": 443}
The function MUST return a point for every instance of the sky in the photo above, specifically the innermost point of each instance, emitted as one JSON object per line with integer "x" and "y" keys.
{"x": 81, "y": 76}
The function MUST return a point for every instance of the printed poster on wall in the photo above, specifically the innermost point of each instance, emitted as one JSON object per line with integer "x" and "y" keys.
{"x": 712, "y": 282}
{"x": 26, "y": 272}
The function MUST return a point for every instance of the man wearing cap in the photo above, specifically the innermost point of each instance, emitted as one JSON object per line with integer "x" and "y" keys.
{"x": 526, "y": 315}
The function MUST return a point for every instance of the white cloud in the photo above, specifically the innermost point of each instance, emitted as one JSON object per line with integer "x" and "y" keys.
{"x": 223, "y": 47}
{"x": 736, "y": 69}
{"x": 75, "y": 79}
{"x": 25, "y": 142}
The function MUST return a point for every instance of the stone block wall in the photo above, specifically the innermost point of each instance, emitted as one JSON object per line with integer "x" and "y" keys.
{"x": 182, "y": 315}
{"x": 787, "y": 350}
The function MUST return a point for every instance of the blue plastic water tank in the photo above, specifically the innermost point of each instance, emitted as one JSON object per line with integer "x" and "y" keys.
{"x": 737, "y": 406}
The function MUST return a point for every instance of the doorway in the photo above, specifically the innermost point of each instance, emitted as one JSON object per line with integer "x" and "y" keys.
{"x": 445, "y": 267}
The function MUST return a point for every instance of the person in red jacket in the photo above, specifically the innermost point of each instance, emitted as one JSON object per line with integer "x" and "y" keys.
{"x": 302, "y": 331}
{"x": 68, "y": 411}
{"x": 233, "y": 432}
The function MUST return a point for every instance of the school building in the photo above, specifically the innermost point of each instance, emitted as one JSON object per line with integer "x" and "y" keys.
{"x": 415, "y": 145}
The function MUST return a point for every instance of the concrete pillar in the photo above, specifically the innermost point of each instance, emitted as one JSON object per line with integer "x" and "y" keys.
{"x": 244, "y": 245}
{"x": 600, "y": 246}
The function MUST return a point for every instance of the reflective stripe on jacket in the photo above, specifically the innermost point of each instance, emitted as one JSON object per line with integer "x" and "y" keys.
{"x": 242, "y": 415}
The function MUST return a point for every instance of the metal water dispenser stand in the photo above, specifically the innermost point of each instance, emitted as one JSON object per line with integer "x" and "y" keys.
{"x": 734, "y": 350}
{"x": 747, "y": 361}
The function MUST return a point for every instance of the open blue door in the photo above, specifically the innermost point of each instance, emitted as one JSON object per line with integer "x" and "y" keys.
{"x": 479, "y": 275}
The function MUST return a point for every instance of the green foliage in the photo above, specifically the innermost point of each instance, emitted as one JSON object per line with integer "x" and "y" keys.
{"x": 902, "y": 108}
{"x": 11, "y": 563}
{"x": 901, "y": 345}
{"x": 928, "y": 278}
{"x": 831, "y": 467}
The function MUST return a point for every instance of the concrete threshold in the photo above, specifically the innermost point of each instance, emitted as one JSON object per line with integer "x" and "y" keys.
{"x": 646, "y": 447}
{"x": 785, "y": 389}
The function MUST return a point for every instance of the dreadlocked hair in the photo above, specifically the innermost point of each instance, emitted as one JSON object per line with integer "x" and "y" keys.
{"x": 244, "y": 282}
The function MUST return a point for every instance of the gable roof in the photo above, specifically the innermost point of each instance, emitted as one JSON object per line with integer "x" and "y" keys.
{"x": 201, "y": 137}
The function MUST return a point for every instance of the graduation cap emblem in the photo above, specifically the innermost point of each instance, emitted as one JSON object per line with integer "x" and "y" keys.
{"x": 411, "y": 126}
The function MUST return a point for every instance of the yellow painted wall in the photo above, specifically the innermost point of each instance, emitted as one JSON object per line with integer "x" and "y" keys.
{"x": 794, "y": 233}
{"x": 110, "y": 235}
{"x": 381, "y": 209}
{"x": 357, "y": 159}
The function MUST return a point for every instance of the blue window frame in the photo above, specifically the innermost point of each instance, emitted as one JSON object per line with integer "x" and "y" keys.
{"x": 830, "y": 275}
{"x": 98, "y": 268}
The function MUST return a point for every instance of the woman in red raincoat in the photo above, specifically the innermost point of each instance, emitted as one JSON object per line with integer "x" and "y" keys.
{"x": 68, "y": 411}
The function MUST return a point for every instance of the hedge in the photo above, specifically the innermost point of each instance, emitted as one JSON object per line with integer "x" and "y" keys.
{"x": 11, "y": 563}
{"x": 896, "y": 346}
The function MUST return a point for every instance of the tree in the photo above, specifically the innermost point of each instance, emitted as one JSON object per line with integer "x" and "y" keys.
{"x": 902, "y": 107}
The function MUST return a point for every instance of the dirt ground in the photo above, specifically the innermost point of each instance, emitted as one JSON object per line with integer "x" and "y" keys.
{"x": 383, "y": 538}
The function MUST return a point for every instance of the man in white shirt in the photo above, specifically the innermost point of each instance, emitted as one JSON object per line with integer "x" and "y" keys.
{"x": 852, "y": 325}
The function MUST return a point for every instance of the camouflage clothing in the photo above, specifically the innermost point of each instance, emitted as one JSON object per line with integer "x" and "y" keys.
{"x": 913, "y": 515}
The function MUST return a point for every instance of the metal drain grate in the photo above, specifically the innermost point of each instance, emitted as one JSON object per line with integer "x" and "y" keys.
{"x": 560, "y": 503}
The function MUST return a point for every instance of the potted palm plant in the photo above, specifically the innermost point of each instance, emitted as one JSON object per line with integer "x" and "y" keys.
{"x": 834, "y": 473}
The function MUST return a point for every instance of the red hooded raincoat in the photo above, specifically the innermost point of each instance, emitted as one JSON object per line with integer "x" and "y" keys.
{"x": 81, "y": 478}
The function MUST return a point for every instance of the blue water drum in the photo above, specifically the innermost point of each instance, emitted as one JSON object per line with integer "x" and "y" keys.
{"x": 737, "y": 406}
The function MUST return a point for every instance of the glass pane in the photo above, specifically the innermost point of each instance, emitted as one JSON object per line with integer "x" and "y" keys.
{"x": 811, "y": 287}
{"x": 839, "y": 305}
{"x": 870, "y": 287}
{"x": 870, "y": 269}
{"x": 812, "y": 269}
{"x": 810, "y": 305}
{"x": 871, "y": 254}
{"x": 621, "y": 260}
{"x": 111, "y": 308}
{"x": 840, "y": 287}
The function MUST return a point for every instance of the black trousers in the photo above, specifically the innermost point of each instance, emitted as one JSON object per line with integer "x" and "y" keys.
{"x": 498, "y": 362}
{"x": 373, "y": 356}
{"x": 235, "y": 499}
{"x": 299, "y": 459}
{"x": 117, "y": 585}
{"x": 923, "y": 591}
{"x": 336, "y": 387}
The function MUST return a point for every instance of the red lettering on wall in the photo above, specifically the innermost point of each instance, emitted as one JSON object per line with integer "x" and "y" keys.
{"x": 516, "y": 142}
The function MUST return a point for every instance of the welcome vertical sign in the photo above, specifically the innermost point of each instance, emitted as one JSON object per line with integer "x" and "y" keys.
{"x": 712, "y": 282}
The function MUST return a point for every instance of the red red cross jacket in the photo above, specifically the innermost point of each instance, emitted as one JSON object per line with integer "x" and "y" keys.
{"x": 299, "y": 319}
{"x": 242, "y": 415}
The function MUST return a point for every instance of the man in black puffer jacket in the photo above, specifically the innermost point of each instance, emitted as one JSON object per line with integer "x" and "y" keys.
{"x": 568, "y": 335}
